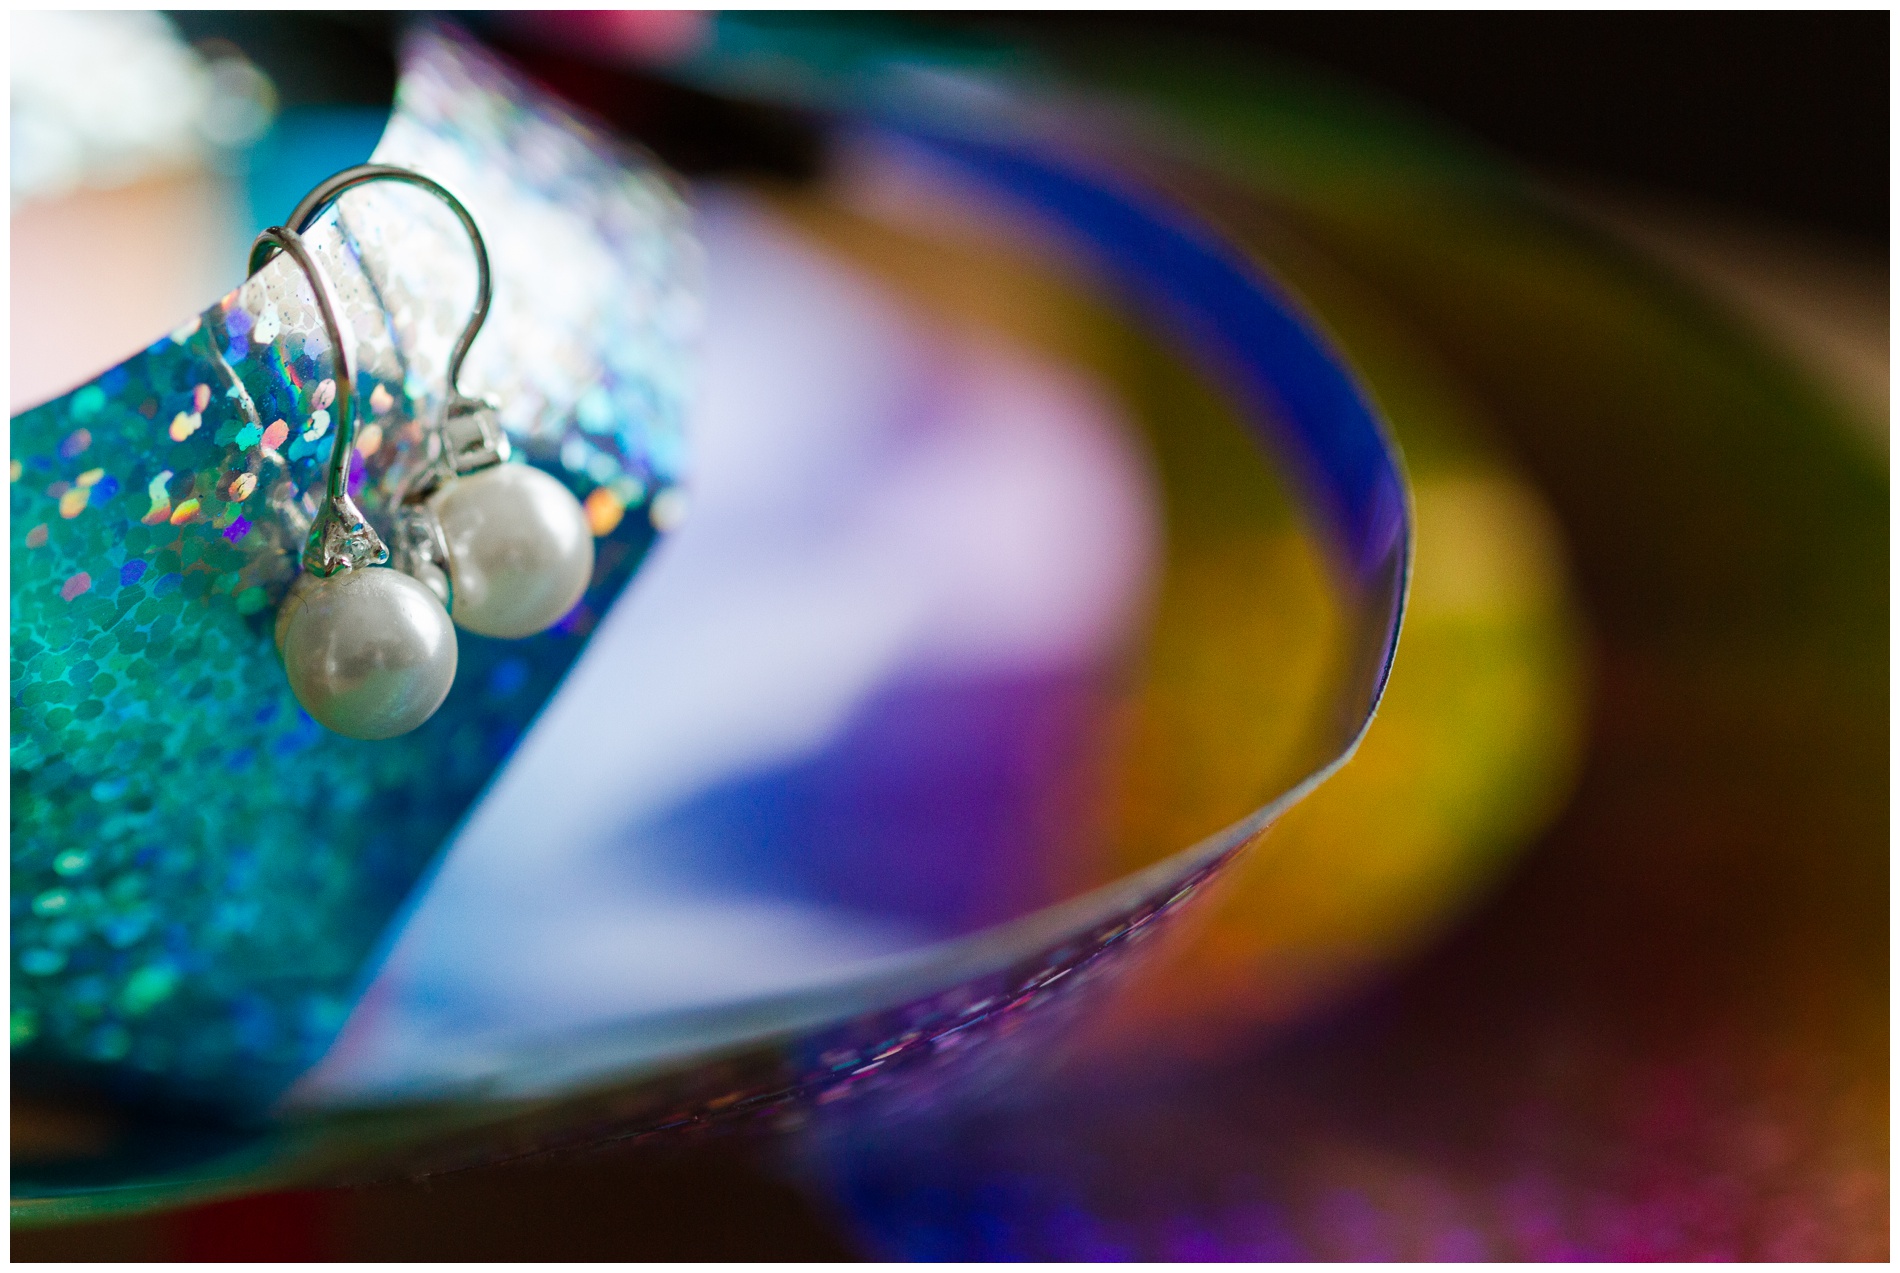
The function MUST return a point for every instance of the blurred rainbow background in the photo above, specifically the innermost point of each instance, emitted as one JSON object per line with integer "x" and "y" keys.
{"x": 1584, "y": 956}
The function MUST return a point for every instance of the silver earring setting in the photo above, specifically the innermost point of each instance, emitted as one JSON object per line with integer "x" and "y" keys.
{"x": 506, "y": 547}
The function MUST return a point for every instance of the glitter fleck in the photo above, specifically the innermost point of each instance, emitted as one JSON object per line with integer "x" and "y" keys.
{"x": 237, "y": 530}
{"x": 242, "y": 485}
{"x": 380, "y": 400}
{"x": 369, "y": 441}
{"x": 15, "y": 468}
{"x": 72, "y": 862}
{"x": 147, "y": 988}
{"x": 318, "y": 426}
{"x": 184, "y": 512}
{"x": 131, "y": 572}
{"x": 74, "y": 502}
{"x": 90, "y": 477}
{"x": 324, "y": 394}
{"x": 669, "y": 509}
{"x": 75, "y": 442}
{"x": 75, "y": 585}
{"x": 42, "y": 962}
{"x": 249, "y": 436}
{"x": 508, "y": 678}
{"x": 200, "y": 398}
{"x": 275, "y": 435}
{"x": 87, "y": 401}
{"x": 604, "y": 511}
{"x": 110, "y": 1042}
{"x": 37, "y": 536}
{"x": 184, "y": 425}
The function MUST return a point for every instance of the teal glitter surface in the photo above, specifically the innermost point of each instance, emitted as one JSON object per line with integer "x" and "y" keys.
{"x": 199, "y": 870}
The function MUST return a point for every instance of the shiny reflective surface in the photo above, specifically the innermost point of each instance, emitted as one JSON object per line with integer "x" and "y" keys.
{"x": 370, "y": 653}
{"x": 239, "y": 862}
{"x": 835, "y": 763}
{"x": 520, "y": 550}
{"x": 1662, "y": 1034}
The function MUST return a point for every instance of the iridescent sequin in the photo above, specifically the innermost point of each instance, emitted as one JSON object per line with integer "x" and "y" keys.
{"x": 199, "y": 870}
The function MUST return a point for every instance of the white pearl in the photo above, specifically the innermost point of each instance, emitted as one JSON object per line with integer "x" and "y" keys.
{"x": 370, "y": 652}
{"x": 520, "y": 549}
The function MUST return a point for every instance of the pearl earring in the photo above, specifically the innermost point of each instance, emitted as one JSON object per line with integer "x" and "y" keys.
{"x": 503, "y": 549}
{"x": 369, "y": 650}
{"x": 506, "y": 547}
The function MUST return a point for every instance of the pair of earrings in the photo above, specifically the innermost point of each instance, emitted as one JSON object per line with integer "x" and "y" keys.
{"x": 502, "y": 549}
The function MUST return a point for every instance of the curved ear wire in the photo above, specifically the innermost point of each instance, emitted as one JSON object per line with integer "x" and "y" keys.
{"x": 507, "y": 547}
{"x": 332, "y": 188}
{"x": 341, "y": 538}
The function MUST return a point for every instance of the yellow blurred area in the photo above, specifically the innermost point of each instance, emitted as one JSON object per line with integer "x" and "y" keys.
{"x": 1472, "y": 749}
{"x": 1478, "y": 737}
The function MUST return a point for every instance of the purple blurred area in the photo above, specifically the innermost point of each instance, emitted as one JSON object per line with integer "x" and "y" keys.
{"x": 851, "y": 707}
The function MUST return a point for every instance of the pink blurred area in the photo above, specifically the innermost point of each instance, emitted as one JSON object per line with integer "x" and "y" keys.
{"x": 99, "y": 274}
{"x": 640, "y": 37}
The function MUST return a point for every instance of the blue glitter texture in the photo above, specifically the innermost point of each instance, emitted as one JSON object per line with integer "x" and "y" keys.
{"x": 199, "y": 870}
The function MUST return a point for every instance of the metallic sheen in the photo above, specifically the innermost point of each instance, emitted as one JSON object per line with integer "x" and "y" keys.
{"x": 332, "y": 188}
{"x": 232, "y": 862}
{"x": 340, "y": 538}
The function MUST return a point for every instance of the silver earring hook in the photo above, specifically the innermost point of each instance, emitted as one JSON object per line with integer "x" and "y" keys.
{"x": 327, "y": 192}
{"x": 341, "y": 538}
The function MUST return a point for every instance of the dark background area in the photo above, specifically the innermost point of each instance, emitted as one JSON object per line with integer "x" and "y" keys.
{"x": 1777, "y": 116}
{"x": 1782, "y": 116}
